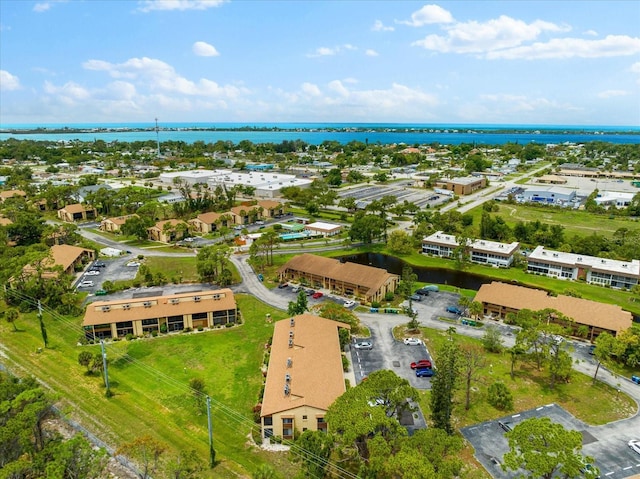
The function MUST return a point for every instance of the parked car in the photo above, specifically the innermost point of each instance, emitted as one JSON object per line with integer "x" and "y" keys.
{"x": 311, "y": 292}
{"x": 635, "y": 379}
{"x": 591, "y": 471}
{"x": 592, "y": 349}
{"x": 422, "y": 292}
{"x": 431, "y": 287}
{"x": 454, "y": 310}
{"x": 317, "y": 295}
{"x": 506, "y": 425}
{"x": 349, "y": 303}
{"x": 282, "y": 285}
{"x": 634, "y": 444}
{"x": 85, "y": 284}
{"x": 92, "y": 272}
{"x": 99, "y": 264}
{"x": 259, "y": 222}
{"x": 423, "y": 363}
{"x": 416, "y": 297}
{"x": 364, "y": 345}
{"x": 412, "y": 341}
{"x": 133, "y": 264}
{"x": 425, "y": 372}
{"x": 100, "y": 292}
{"x": 295, "y": 289}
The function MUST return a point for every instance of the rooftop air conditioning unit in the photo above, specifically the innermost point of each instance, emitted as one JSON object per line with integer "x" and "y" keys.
{"x": 147, "y": 304}
{"x": 291, "y": 342}
{"x": 289, "y": 362}
{"x": 106, "y": 309}
{"x": 287, "y": 377}
{"x": 293, "y": 322}
{"x": 126, "y": 306}
{"x": 196, "y": 298}
{"x": 287, "y": 390}
{"x": 291, "y": 334}
{"x": 216, "y": 296}
{"x": 174, "y": 301}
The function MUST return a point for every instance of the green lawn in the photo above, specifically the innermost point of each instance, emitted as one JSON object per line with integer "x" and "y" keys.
{"x": 575, "y": 222}
{"x": 595, "y": 404}
{"x": 149, "y": 379}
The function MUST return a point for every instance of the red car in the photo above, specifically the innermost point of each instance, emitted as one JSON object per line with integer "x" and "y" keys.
{"x": 423, "y": 363}
{"x": 317, "y": 295}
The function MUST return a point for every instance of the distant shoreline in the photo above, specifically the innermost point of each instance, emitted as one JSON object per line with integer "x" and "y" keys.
{"x": 595, "y": 131}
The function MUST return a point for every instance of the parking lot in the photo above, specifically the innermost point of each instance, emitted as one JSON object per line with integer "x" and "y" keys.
{"x": 115, "y": 269}
{"x": 607, "y": 444}
{"x": 401, "y": 191}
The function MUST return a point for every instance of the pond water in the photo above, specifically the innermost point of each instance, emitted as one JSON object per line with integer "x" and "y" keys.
{"x": 394, "y": 265}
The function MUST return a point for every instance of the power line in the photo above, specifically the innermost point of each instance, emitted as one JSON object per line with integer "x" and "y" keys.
{"x": 227, "y": 412}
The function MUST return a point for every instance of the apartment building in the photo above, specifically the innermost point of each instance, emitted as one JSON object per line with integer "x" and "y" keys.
{"x": 480, "y": 251}
{"x": 603, "y": 271}
{"x": 176, "y": 312}
{"x": 304, "y": 376}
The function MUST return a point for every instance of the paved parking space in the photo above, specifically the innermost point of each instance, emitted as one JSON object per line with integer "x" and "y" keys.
{"x": 115, "y": 269}
{"x": 401, "y": 191}
{"x": 607, "y": 444}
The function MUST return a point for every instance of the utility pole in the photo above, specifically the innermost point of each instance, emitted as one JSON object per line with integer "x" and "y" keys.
{"x": 43, "y": 329}
{"x": 104, "y": 367}
{"x": 212, "y": 452}
{"x": 157, "y": 138}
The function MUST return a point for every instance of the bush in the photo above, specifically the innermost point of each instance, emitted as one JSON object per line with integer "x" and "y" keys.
{"x": 163, "y": 328}
{"x": 187, "y": 330}
{"x": 345, "y": 363}
{"x": 389, "y": 296}
{"x": 129, "y": 337}
{"x": 200, "y": 328}
{"x": 228, "y": 325}
{"x": 154, "y": 333}
{"x": 499, "y": 396}
{"x": 375, "y": 304}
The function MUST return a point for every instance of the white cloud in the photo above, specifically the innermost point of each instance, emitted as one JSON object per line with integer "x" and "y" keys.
{"x": 495, "y": 34}
{"x": 156, "y": 75}
{"x": 151, "y": 5}
{"x": 611, "y": 46}
{"x": 591, "y": 33}
{"x": 203, "y": 49}
{"x": 41, "y": 7}
{"x": 328, "y": 51}
{"x": 70, "y": 90}
{"x": 427, "y": 15}
{"x": 371, "y": 53}
{"x": 612, "y": 93}
{"x": 497, "y": 107}
{"x": 9, "y": 82}
{"x": 310, "y": 89}
{"x": 378, "y": 26}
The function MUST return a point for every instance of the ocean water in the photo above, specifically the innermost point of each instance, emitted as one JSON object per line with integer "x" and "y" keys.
{"x": 317, "y": 133}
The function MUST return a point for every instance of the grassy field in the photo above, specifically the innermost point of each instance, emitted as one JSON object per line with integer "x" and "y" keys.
{"x": 594, "y": 404}
{"x": 149, "y": 379}
{"x": 175, "y": 267}
{"x": 575, "y": 222}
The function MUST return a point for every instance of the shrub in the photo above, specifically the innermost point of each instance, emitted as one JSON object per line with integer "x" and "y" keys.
{"x": 389, "y": 296}
{"x": 345, "y": 363}
{"x": 187, "y": 330}
{"x": 228, "y": 325}
{"x": 154, "y": 333}
{"x": 163, "y": 328}
{"x": 200, "y": 328}
{"x": 375, "y": 304}
{"x": 499, "y": 396}
{"x": 129, "y": 337}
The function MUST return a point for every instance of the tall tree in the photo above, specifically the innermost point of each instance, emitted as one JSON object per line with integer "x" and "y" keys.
{"x": 443, "y": 386}
{"x": 472, "y": 360}
{"x": 146, "y": 451}
{"x": 545, "y": 449}
{"x": 300, "y": 306}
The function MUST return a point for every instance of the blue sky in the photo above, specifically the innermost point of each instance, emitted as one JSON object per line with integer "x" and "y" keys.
{"x": 489, "y": 62}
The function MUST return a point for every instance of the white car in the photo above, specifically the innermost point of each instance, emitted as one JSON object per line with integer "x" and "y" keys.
{"x": 85, "y": 284}
{"x": 349, "y": 303}
{"x": 133, "y": 264}
{"x": 634, "y": 444}
{"x": 412, "y": 341}
{"x": 364, "y": 345}
{"x": 188, "y": 240}
{"x": 92, "y": 273}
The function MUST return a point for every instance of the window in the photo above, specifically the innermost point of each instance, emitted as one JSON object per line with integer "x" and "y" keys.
{"x": 304, "y": 418}
{"x": 267, "y": 421}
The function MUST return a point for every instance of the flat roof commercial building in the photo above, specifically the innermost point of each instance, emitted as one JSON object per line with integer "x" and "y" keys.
{"x": 603, "y": 271}
{"x": 176, "y": 312}
{"x": 499, "y": 299}
{"x": 480, "y": 251}
{"x": 267, "y": 185}
{"x": 364, "y": 282}
{"x": 462, "y": 186}
{"x": 324, "y": 229}
{"x": 304, "y": 376}
{"x": 549, "y": 194}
